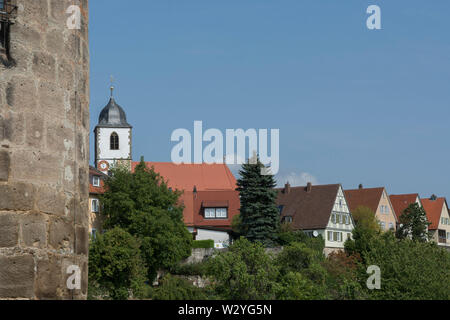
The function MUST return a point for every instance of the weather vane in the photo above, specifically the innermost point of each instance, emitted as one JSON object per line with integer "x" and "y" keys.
{"x": 112, "y": 85}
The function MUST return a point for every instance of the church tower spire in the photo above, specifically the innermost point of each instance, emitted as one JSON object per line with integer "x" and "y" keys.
{"x": 112, "y": 137}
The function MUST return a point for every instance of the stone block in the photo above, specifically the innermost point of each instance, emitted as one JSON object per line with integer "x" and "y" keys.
{"x": 35, "y": 166}
{"x": 4, "y": 165}
{"x": 34, "y": 230}
{"x": 9, "y": 230}
{"x": 15, "y": 97}
{"x": 60, "y": 234}
{"x": 49, "y": 278}
{"x": 17, "y": 196}
{"x": 34, "y": 130}
{"x": 17, "y": 276}
{"x": 44, "y": 65}
{"x": 82, "y": 242}
{"x": 12, "y": 128}
{"x": 50, "y": 200}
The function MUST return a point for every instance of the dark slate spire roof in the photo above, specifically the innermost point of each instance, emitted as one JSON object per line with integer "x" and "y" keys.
{"x": 113, "y": 116}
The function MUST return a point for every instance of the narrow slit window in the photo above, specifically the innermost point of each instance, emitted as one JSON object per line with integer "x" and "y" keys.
{"x": 114, "y": 141}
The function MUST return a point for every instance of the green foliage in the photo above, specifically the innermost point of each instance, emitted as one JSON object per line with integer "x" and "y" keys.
{"x": 191, "y": 269}
{"x": 236, "y": 226}
{"x": 143, "y": 205}
{"x": 410, "y": 269}
{"x": 366, "y": 219}
{"x": 365, "y": 232}
{"x": 344, "y": 281}
{"x": 287, "y": 236}
{"x": 413, "y": 223}
{"x": 115, "y": 265}
{"x": 302, "y": 263}
{"x": 258, "y": 213}
{"x": 175, "y": 288}
{"x": 296, "y": 286}
{"x": 244, "y": 272}
{"x": 203, "y": 244}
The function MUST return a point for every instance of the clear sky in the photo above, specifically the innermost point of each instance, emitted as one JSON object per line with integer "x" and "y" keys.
{"x": 353, "y": 105}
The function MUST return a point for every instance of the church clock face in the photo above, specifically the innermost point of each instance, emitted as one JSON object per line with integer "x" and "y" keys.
{"x": 104, "y": 165}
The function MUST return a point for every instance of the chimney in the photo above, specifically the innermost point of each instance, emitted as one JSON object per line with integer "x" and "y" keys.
{"x": 287, "y": 187}
{"x": 308, "y": 187}
{"x": 360, "y": 186}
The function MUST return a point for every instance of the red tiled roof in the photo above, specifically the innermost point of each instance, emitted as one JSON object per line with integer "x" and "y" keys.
{"x": 433, "y": 209}
{"x": 309, "y": 210}
{"x": 96, "y": 190}
{"x": 402, "y": 201}
{"x": 186, "y": 176}
{"x": 215, "y": 184}
{"x": 367, "y": 197}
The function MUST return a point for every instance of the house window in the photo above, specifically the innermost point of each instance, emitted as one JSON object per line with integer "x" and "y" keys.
{"x": 216, "y": 213}
{"x": 287, "y": 219}
{"x": 330, "y": 235}
{"x": 337, "y": 236}
{"x": 340, "y": 218}
{"x": 94, "y": 233}
{"x": 114, "y": 141}
{"x": 347, "y": 219}
{"x": 96, "y": 181}
{"x": 391, "y": 226}
{"x": 280, "y": 208}
{"x": 95, "y": 205}
{"x": 333, "y": 217}
{"x": 349, "y": 236}
{"x": 2, "y": 4}
{"x": 383, "y": 225}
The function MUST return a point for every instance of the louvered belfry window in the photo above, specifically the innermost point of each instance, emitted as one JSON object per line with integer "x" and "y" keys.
{"x": 114, "y": 141}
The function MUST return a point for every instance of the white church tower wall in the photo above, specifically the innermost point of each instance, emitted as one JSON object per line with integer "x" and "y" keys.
{"x": 112, "y": 138}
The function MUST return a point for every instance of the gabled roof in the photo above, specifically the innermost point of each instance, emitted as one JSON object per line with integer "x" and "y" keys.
{"x": 433, "y": 209}
{"x": 202, "y": 176}
{"x": 402, "y": 201}
{"x": 367, "y": 197}
{"x": 309, "y": 210}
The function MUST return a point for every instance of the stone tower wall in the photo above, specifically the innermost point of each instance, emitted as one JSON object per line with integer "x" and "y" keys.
{"x": 44, "y": 152}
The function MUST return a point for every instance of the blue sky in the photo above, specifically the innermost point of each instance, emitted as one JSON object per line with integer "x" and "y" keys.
{"x": 353, "y": 105}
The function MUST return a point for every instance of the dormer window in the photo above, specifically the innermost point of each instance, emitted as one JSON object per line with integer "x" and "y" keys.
{"x": 114, "y": 141}
{"x": 96, "y": 181}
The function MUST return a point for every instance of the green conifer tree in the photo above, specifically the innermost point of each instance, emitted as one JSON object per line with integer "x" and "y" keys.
{"x": 259, "y": 214}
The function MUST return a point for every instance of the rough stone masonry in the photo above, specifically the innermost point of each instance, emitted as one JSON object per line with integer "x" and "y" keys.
{"x": 44, "y": 152}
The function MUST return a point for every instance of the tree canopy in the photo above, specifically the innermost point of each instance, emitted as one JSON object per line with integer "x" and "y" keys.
{"x": 141, "y": 203}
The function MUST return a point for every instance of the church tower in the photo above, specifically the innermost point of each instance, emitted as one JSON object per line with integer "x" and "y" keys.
{"x": 112, "y": 137}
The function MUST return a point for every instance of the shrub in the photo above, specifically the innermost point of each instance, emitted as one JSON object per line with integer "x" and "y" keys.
{"x": 192, "y": 269}
{"x": 245, "y": 272}
{"x": 203, "y": 244}
{"x": 115, "y": 265}
{"x": 175, "y": 288}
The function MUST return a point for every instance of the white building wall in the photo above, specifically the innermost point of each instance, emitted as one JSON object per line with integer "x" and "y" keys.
{"x": 340, "y": 207}
{"x": 104, "y": 151}
{"x": 221, "y": 238}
